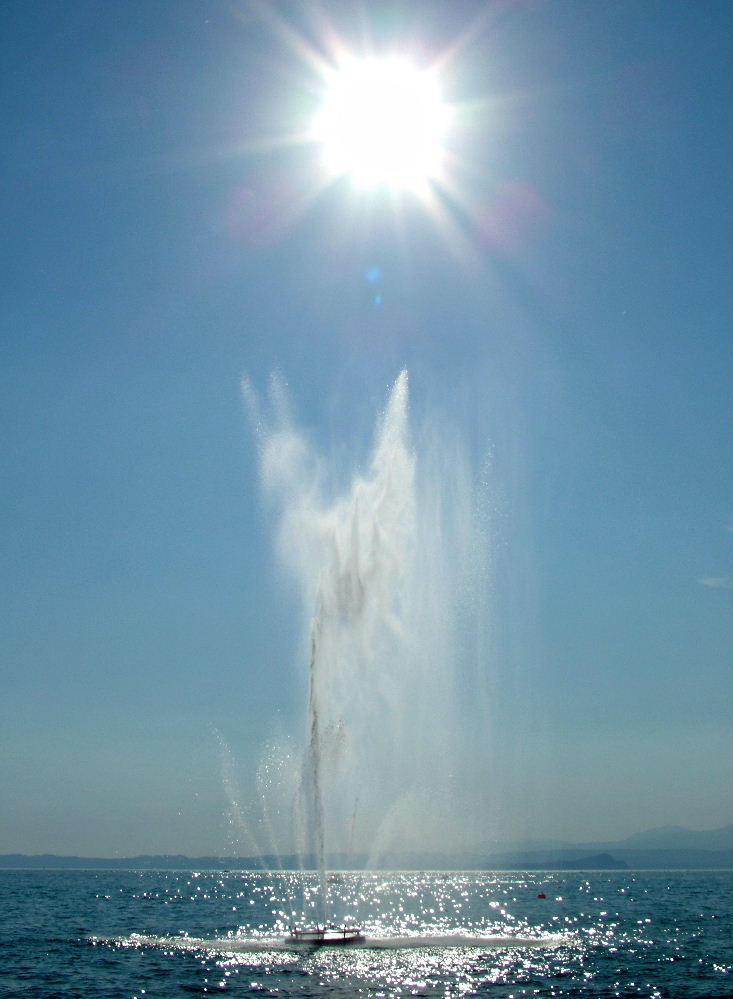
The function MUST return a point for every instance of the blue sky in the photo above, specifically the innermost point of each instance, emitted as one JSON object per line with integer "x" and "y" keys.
{"x": 566, "y": 316}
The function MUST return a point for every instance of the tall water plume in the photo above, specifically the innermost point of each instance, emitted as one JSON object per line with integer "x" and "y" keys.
{"x": 385, "y": 570}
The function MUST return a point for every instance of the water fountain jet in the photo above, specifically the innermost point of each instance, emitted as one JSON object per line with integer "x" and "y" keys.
{"x": 381, "y": 568}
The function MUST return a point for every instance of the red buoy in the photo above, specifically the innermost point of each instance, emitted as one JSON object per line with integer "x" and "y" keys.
{"x": 542, "y": 895}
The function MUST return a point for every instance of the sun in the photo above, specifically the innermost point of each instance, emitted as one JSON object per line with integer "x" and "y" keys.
{"x": 383, "y": 122}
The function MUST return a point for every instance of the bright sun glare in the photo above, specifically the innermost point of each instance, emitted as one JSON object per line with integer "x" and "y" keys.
{"x": 383, "y": 122}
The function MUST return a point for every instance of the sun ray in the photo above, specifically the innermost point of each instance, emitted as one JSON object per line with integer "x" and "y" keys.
{"x": 375, "y": 116}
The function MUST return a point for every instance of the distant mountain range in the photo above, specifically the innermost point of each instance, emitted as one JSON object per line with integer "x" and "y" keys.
{"x": 666, "y": 848}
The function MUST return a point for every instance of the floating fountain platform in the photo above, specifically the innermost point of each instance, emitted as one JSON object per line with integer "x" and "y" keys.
{"x": 325, "y": 936}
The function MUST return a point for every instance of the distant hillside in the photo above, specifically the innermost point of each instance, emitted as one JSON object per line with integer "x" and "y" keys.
{"x": 403, "y": 861}
{"x": 668, "y": 848}
{"x": 145, "y": 862}
{"x": 678, "y": 838}
{"x": 662, "y": 838}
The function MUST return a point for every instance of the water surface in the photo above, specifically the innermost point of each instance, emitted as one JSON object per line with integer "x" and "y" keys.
{"x": 162, "y": 934}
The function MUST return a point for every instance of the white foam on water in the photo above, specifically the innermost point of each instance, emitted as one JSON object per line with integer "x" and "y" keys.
{"x": 261, "y": 944}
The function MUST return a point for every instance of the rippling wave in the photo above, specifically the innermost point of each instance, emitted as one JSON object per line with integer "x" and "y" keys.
{"x": 161, "y": 934}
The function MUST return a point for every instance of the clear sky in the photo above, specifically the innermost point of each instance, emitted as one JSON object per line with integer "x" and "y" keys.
{"x": 561, "y": 301}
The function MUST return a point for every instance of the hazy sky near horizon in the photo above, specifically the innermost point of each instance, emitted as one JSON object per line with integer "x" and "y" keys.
{"x": 563, "y": 309}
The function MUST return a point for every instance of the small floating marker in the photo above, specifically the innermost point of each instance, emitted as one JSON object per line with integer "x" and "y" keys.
{"x": 541, "y": 895}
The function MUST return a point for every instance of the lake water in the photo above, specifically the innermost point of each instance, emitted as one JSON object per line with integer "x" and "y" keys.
{"x": 163, "y": 934}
